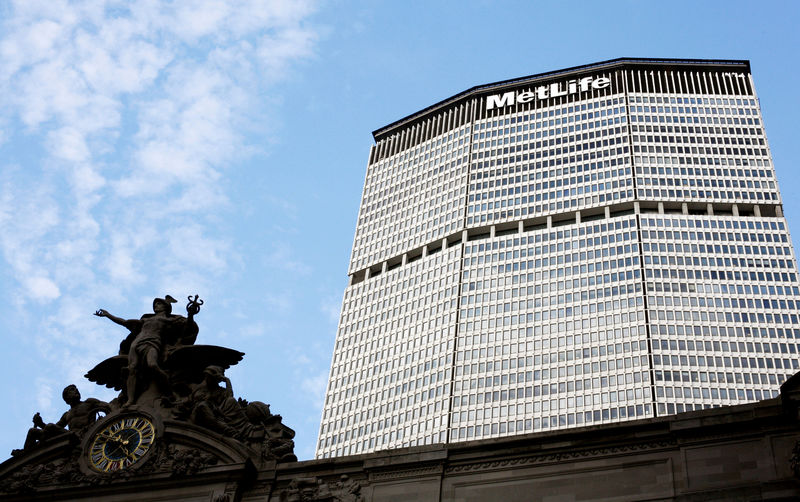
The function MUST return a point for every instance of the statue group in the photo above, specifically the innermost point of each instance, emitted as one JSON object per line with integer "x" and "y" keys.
{"x": 159, "y": 368}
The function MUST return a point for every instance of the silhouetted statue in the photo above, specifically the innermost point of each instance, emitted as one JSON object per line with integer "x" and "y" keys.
{"x": 160, "y": 371}
{"x": 146, "y": 343}
{"x": 77, "y": 419}
{"x": 213, "y": 406}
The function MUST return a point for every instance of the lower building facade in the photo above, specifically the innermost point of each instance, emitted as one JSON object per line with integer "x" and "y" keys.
{"x": 587, "y": 246}
{"x": 748, "y": 452}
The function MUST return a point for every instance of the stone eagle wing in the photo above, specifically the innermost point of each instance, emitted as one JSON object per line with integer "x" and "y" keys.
{"x": 109, "y": 372}
{"x": 189, "y": 361}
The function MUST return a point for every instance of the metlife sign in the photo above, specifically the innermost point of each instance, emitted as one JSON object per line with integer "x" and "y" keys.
{"x": 547, "y": 91}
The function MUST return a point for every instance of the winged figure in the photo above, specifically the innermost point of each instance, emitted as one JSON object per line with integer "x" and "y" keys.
{"x": 159, "y": 351}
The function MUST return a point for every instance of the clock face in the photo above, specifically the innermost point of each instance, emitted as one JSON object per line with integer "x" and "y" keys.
{"x": 122, "y": 443}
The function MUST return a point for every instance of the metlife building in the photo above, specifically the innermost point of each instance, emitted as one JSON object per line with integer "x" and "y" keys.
{"x": 585, "y": 246}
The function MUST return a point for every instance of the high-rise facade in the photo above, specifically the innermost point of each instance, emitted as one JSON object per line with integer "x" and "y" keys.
{"x": 584, "y": 246}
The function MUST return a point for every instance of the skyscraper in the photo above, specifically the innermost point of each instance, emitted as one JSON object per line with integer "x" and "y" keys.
{"x": 583, "y": 246}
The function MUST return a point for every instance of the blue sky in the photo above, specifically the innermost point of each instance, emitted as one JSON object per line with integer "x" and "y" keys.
{"x": 219, "y": 148}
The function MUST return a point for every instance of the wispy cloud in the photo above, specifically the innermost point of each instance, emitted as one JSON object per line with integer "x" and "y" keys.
{"x": 121, "y": 123}
{"x": 314, "y": 386}
{"x": 282, "y": 257}
{"x": 330, "y": 308}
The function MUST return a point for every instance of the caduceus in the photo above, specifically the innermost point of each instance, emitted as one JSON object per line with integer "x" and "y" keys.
{"x": 193, "y": 307}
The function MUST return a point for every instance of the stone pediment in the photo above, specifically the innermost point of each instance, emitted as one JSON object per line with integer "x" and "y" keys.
{"x": 176, "y": 417}
{"x": 61, "y": 468}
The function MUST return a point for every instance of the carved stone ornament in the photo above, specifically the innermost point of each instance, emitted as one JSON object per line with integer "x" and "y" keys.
{"x": 177, "y": 461}
{"x": 794, "y": 460}
{"x": 314, "y": 489}
{"x": 161, "y": 375}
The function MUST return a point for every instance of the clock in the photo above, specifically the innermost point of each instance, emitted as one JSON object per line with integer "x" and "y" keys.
{"x": 121, "y": 443}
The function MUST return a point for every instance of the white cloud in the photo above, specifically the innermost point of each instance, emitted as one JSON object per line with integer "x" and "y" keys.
{"x": 252, "y": 330}
{"x": 157, "y": 87}
{"x": 282, "y": 257}
{"x": 45, "y": 390}
{"x": 134, "y": 115}
{"x": 41, "y": 288}
{"x": 330, "y": 307}
{"x": 314, "y": 387}
{"x": 281, "y": 303}
{"x": 276, "y": 50}
{"x": 120, "y": 264}
{"x": 69, "y": 144}
{"x": 312, "y": 379}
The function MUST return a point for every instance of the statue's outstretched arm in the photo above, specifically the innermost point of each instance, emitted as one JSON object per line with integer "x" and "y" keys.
{"x": 105, "y": 313}
{"x": 131, "y": 324}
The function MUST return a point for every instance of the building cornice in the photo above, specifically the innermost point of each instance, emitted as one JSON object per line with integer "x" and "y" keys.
{"x": 612, "y": 64}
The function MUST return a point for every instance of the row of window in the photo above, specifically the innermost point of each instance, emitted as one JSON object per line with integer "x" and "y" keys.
{"x": 536, "y": 407}
{"x": 713, "y": 182}
{"x": 558, "y": 206}
{"x": 696, "y": 132}
{"x": 669, "y": 119}
{"x": 582, "y": 141}
{"x": 554, "y": 421}
{"x": 716, "y": 222}
{"x": 705, "y": 196}
{"x": 585, "y": 298}
{"x": 729, "y": 361}
{"x": 738, "y": 377}
{"x": 693, "y": 100}
{"x": 543, "y": 341}
{"x": 694, "y": 110}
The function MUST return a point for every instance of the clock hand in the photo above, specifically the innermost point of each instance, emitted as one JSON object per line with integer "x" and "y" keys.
{"x": 128, "y": 437}
{"x": 113, "y": 452}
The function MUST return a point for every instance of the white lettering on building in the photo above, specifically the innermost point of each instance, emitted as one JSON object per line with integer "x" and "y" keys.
{"x": 547, "y": 91}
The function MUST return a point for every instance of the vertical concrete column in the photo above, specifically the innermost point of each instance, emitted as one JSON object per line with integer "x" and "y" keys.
{"x": 366, "y": 274}
{"x": 577, "y": 217}
{"x": 491, "y": 231}
{"x": 385, "y": 267}
{"x": 710, "y": 209}
{"x": 444, "y": 243}
{"x": 637, "y": 209}
{"x": 778, "y": 211}
{"x": 464, "y": 236}
{"x": 607, "y": 211}
{"x": 549, "y": 222}
{"x": 405, "y": 258}
{"x": 757, "y": 210}
{"x": 660, "y": 208}
{"x": 684, "y": 208}
{"x": 521, "y": 226}
{"x": 424, "y": 251}
{"x": 735, "y": 209}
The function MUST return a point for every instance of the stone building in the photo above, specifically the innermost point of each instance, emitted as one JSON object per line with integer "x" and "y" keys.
{"x": 579, "y": 247}
{"x": 746, "y": 452}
